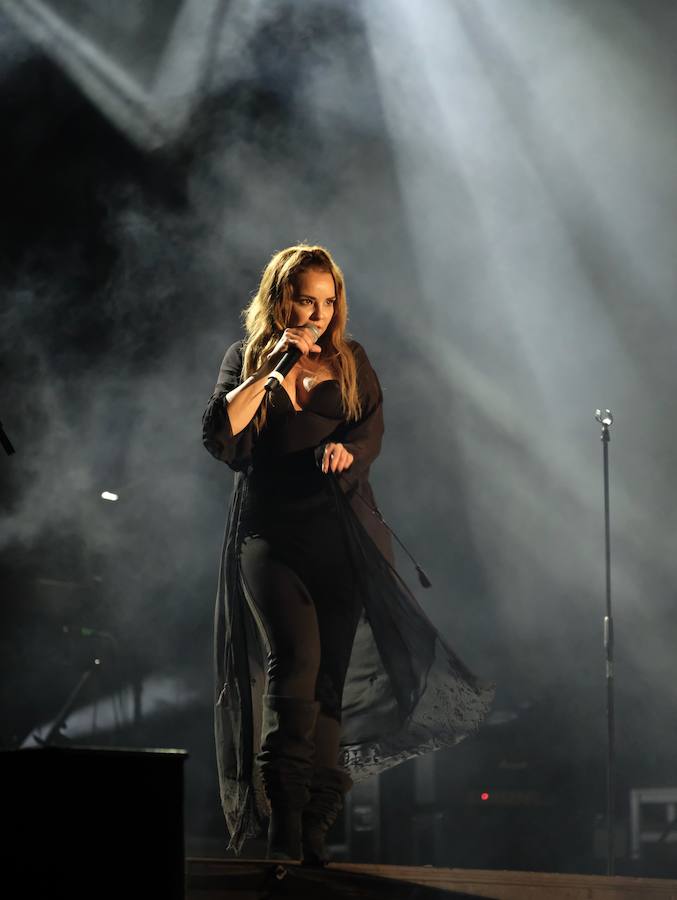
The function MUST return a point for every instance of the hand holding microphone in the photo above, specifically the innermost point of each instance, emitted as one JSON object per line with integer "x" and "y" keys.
{"x": 295, "y": 342}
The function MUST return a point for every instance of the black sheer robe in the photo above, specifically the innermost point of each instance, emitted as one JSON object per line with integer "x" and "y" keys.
{"x": 406, "y": 691}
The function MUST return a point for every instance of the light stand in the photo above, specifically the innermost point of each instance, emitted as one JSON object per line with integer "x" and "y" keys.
{"x": 606, "y": 421}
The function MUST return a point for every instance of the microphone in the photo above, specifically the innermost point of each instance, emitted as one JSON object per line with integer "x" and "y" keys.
{"x": 604, "y": 417}
{"x": 288, "y": 361}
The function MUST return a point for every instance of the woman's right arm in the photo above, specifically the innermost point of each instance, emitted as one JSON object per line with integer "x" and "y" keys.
{"x": 227, "y": 424}
{"x": 227, "y": 430}
{"x": 244, "y": 400}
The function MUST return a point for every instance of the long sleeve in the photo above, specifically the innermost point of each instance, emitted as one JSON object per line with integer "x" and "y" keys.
{"x": 217, "y": 434}
{"x": 363, "y": 438}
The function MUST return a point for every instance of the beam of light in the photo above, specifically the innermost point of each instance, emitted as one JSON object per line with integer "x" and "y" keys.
{"x": 539, "y": 222}
{"x": 509, "y": 312}
{"x": 462, "y": 180}
{"x": 146, "y": 66}
{"x": 486, "y": 237}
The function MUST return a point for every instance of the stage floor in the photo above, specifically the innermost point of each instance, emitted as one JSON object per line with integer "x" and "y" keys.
{"x": 209, "y": 879}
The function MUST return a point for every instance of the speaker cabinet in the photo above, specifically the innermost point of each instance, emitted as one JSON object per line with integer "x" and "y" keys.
{"x": 94, "y": 822}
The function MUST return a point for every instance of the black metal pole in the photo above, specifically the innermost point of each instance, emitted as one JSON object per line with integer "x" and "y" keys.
{"x": 5, "y": 441}
{"x": 606, "y": 420}
{"x": 66, "y": 709}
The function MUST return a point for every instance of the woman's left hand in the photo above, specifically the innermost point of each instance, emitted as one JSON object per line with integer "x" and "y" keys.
{"x": 336, "y": 458}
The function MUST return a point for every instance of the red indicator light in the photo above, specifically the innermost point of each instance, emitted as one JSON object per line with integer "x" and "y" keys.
{"x": 484, "y": 796}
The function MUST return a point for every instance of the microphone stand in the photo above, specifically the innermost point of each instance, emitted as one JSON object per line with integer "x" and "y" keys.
{"x": 61, "y": 717}
{"x": 606, "y": 419}
{"x": 67, "y": 708}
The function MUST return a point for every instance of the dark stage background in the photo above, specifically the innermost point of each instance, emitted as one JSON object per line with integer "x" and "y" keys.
{"x": 499, "y": 183}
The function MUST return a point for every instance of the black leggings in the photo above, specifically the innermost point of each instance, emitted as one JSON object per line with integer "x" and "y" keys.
{"x": 301, "y": 589}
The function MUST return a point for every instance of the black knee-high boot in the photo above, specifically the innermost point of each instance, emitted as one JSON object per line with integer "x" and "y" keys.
{"x": 327, "y": 790}
{"x": 286, "y": 758}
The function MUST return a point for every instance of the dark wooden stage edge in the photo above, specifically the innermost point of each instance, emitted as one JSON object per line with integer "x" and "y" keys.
{"x": 209, "y": 879}
{"x": 509, "y": 885}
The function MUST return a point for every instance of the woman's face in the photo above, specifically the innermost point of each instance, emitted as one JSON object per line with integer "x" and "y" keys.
{"x": 314, "y": 300}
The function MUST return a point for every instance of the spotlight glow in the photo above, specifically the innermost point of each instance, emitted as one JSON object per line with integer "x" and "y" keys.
{"x": 107, "y": 495}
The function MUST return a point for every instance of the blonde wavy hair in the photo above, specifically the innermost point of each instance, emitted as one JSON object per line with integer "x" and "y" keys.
{"x": 270, "y": 310}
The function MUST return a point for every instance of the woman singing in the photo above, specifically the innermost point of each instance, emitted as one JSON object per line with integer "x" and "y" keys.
{"x": 327, "y": 670}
